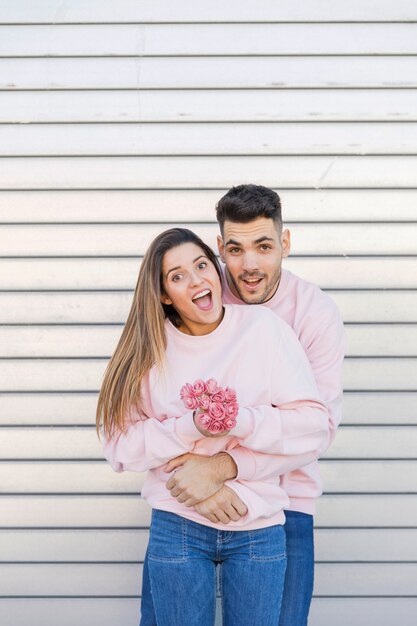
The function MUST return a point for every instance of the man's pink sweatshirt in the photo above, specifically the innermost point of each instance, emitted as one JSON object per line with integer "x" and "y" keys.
{"x": 317, "y": 323}
{"x": 281, "y": 414}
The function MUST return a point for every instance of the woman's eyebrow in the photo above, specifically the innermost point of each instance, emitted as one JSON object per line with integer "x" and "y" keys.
{"x": 173, "y": 269}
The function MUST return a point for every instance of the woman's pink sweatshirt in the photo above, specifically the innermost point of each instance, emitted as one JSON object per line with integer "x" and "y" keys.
{"x": 317, "y": 323}
{"x": 281, "y": 414}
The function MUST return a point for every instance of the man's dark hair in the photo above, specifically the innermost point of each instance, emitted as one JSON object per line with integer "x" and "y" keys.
{"x": 248, "y": 202}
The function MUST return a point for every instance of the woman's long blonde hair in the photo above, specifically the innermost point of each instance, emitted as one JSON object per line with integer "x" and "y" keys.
{"x": 143, "y": 341}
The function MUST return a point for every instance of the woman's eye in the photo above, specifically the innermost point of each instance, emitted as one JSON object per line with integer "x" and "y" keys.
{"x": 202, "y": 265}
{"x": 176, "y": 278}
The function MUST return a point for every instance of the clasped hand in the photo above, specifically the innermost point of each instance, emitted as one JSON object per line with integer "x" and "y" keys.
{"x": 199, "y": 482}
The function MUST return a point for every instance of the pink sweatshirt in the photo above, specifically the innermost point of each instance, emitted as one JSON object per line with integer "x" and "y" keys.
{"x": 318, "y": 325}
{"x": 281, "y": 413}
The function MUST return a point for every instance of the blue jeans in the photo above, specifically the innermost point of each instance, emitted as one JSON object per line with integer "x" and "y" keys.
{"x": 299, "y": 577}
{"x": 182, "y": 559}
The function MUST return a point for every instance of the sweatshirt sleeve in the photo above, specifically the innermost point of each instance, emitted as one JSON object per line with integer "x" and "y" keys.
{"x": 325, "y": 353}
{"x": 148, "y": 443}
{"x": 297, "y": 422}
{"x": 253, "y": 465}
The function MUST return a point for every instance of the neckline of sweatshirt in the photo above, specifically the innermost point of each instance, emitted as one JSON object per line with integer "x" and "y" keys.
{"x": 201, "y": 340}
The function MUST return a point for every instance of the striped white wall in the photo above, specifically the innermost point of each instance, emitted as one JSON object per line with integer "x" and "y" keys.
{"x": 119, "y": 118}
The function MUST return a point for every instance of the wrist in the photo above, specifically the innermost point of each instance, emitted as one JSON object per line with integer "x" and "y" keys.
{"x": 226, "y": 467}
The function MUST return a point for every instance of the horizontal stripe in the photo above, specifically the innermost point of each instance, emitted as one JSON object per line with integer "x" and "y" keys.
{"x": 133, "y": 240}
{"x": 209, "y": 139}
{"x": 125, "y": 511}
{"x": 86, "y": 374}
{"x": 366, "y": 442}
{"x": 331, "y": 579}
{"x": 66, "y": 409}
{"x": 313, "y": 172}
{"x": 119, "y": 273}
{"x": 100, "y": 341}
{"x": 111, "y": 308}
{"x": 333, "y": 105}
{"x": 265, "y": 10}
{"x": 96, "y": 545}
{"x": 194, "y": 205}
{"x": 97, "y": 477}
{"x": 207, "y": 39}
{"x": 203, "y": 72}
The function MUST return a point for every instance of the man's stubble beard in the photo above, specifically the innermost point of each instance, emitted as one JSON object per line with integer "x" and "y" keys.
{"x": 268, "y": 292}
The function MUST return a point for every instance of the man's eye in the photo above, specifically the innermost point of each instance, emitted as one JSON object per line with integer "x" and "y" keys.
{"x": 264, "y": 247}
{"x": 234, "y": 250}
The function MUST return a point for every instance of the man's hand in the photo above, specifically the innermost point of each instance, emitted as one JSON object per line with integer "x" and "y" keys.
{"x": 223, "y": 507}
{"x": 199, "y": 477}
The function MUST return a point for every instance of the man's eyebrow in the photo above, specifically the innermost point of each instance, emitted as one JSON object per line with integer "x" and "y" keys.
{"x": 232, "y": 241}
{"x": 201, "y": 256}
{"x": 237, "y": 243}
{"x": 264, "y": 238}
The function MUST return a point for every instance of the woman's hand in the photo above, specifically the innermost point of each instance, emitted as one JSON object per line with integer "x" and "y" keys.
{"x": 203, "y": 431}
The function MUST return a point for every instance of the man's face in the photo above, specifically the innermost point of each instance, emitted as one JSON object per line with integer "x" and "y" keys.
{"x": 253, "y": 254}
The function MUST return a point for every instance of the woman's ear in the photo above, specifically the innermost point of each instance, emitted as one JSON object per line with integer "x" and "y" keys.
{"x": 165, "y": 299}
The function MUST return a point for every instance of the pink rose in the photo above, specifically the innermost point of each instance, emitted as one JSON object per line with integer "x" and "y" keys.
{"x": 232, "y": 409}
{"x": 204, "y": 420}
{"x": 216, "y": 426}
{"x": 230, "y": 394}
{"x": 190, "y": 403}
{"x": 186, "y": 391}
{"x": 218, "y": 396}
{"x": 211, "y": 386}
{"x": 229, "y": 423}
{"x": 216, "y": 410}
{"x": 199, "y": 387}
{"x": 204, "y": 402}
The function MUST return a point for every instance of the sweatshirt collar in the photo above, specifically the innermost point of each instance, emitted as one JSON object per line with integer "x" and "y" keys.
{"x": 194, "y": 340}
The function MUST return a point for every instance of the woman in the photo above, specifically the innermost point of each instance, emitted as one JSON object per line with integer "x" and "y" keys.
{"x": 178, "y": 331}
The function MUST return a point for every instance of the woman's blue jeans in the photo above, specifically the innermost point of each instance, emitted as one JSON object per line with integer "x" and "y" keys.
{"x": 182, "y": 559}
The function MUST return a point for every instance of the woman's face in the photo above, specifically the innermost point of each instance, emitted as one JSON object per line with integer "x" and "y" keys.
{"x": 192, "y": 286}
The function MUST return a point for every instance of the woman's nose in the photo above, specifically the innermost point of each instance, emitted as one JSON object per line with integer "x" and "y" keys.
{"x": 195, "y": 278}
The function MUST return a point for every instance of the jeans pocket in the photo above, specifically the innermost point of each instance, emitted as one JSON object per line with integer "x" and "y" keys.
{"x": 267, "y": 544}
{"x": 167, "y": 538}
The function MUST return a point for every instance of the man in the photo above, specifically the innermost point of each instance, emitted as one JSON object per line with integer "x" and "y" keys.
{"x": 252, "y": 245}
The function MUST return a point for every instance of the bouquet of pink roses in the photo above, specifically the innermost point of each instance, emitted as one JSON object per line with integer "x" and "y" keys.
{"x": 217, "y": 408}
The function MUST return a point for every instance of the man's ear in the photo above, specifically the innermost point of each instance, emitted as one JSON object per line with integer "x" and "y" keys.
{"x": 286, "y": 243}
{"x": 220, "y": 246}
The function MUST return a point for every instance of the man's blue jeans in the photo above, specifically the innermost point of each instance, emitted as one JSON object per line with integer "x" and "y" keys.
{"x": 299, "y": 577}
{"x": 298, "y": 587}
{"x": 182, "y": 559}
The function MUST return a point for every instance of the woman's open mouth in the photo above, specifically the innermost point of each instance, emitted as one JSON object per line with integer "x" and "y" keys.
{"x": 203, "y": 300}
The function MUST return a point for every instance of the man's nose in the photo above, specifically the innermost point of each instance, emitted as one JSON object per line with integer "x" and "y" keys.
{"x": 250, "y": 262}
